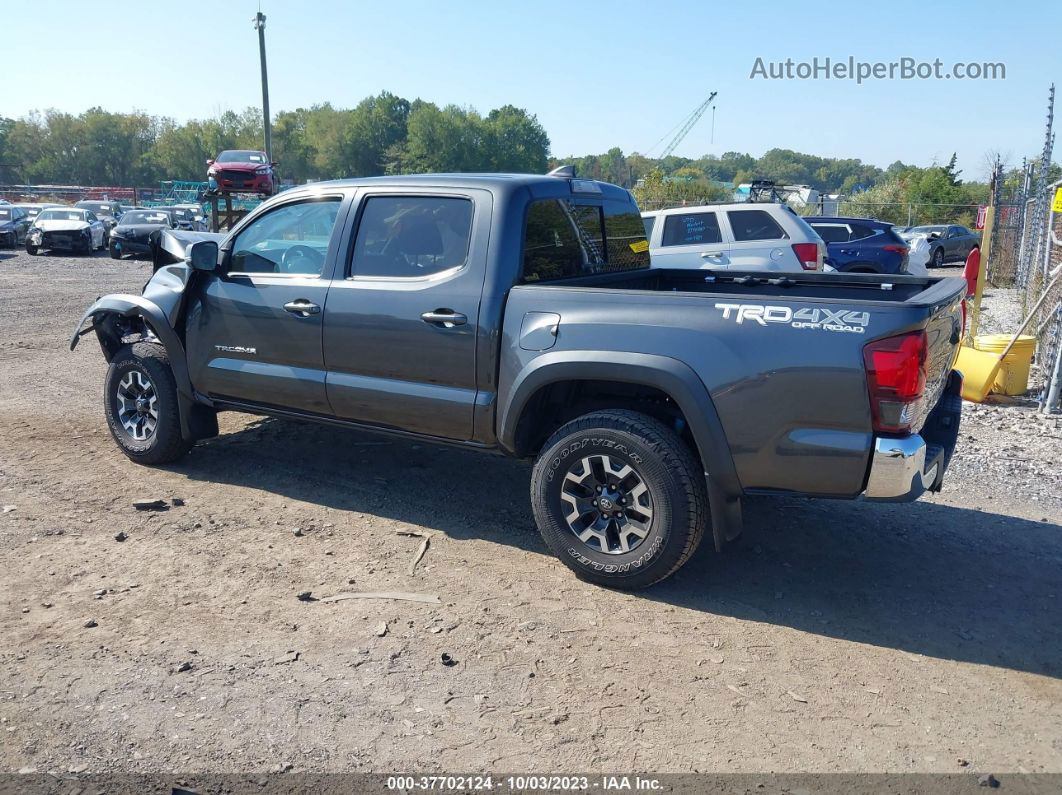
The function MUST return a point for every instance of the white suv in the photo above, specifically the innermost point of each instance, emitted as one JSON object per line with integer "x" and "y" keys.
{"x": 739, "y": 237}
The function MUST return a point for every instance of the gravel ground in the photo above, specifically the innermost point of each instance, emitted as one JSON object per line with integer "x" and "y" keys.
{"x": 833, "y": 636}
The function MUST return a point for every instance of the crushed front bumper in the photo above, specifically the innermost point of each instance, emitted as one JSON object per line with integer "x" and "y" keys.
{"x": 903, "y": 468}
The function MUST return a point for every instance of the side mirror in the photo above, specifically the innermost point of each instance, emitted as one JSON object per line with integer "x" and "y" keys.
{"x": 210, "y": 162}
{"x": 203, "y": 255}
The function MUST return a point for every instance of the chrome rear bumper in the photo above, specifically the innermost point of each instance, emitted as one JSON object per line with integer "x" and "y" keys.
{"x": 898, "y": 469}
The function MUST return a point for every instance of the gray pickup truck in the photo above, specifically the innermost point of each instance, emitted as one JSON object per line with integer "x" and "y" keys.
{"x": 518, "y": 314}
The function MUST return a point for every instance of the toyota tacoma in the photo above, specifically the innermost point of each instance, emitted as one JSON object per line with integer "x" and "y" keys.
{"x": 519, "y": 314}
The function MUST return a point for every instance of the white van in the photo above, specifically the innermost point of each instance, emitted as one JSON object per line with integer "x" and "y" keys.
{"x": 740, "y": 237}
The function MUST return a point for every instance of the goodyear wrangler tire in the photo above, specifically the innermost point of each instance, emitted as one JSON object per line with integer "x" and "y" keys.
{"x": 140, "y": 403}
{"x": 619, "y": 498}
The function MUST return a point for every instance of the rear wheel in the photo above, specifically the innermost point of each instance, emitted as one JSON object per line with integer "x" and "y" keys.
{"x": 619, "y": 498}
{"x": 140, "y": 402}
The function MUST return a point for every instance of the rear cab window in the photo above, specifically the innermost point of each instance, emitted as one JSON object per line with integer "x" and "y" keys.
{"x": 564, "y": 238}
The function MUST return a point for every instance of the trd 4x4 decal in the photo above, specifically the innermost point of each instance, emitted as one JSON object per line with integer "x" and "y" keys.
{"x": 817, "y": 319}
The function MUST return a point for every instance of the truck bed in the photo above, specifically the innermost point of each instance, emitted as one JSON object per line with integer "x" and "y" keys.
{"x": 848, "y": 287}
{"x": 780, "y": 355}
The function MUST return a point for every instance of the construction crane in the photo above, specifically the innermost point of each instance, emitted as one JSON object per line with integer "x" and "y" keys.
{"x": 687, "y": 125}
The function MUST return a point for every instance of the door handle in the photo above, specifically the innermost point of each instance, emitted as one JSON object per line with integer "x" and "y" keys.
{"x": 446, "y": 318}
{"x": 302, "y": 307}
{"x": 712, "y": 254}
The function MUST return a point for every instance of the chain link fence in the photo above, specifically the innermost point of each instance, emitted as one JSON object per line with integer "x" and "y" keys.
{"x": 1043, "y": 286}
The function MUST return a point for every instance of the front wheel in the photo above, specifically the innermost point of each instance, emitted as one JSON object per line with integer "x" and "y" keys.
{"x": 32, "y": 250}
{"x": 140, "y": 402}
{"x": 619, "y": 498}
{"x": 115, "y": 253}
{"x": 937, "y": 260}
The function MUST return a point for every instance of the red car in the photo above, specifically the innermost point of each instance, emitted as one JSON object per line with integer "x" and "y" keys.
{"x": 242, "y": 171}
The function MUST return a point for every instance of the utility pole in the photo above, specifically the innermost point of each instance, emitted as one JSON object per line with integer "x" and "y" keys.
{"x": 259, "y": 25}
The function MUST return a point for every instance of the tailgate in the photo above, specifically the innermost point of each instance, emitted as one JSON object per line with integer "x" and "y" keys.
{"x": 943, "y": 335}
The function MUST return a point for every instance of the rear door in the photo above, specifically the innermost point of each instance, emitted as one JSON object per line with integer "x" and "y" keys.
{"x": 758, "y": 242}
{"x": 402, "y": 318}
{"x": 692, "y": 239}
{"x": 254, "y": 331}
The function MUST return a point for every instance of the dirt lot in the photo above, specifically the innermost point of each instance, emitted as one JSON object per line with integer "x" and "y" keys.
{"x": 832, "y": 636}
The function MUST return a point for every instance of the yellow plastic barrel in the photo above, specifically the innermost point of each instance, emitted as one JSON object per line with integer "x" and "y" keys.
{"x": 1013, "y": 375}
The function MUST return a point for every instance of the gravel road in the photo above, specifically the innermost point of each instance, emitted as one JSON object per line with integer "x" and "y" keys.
{"x": 833, "y": 636}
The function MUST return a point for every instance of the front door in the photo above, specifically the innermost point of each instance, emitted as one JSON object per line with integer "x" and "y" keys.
{"x": 254, "y": 332}
{"x": 402, "y": 318}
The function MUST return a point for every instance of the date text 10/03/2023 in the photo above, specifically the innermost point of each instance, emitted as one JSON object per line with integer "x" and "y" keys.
{"x": 521, "y": 783}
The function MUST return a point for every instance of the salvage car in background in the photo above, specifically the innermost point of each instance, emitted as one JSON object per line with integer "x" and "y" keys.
{"x": 67, "y": 228}
{"x": 947, "y": 243}
{"x": 107, "y": 211}
{"x": 861, "y": 245}
{"x": 242, "y": 171}
{"x": 198, "y": 217}
{"x": 33, "y": 209}
{"x": 134, "y": 233}
{"x": 14, "y": 224}
{"x": 738, "y": 236}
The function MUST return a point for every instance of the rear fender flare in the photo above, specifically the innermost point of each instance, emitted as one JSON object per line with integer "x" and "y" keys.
{"x": 669, "y": 375}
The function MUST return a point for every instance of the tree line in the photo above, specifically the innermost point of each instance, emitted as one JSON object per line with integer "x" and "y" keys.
{"x": 384, "y": 134}
{"x": 387, "y": 134}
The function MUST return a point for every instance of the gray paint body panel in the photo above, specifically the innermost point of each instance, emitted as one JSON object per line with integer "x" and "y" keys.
{"x": 772, "y": 407}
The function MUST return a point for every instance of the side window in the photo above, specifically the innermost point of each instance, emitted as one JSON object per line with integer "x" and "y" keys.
{"x": 754, "y": 225}
{"x": 412, "y": 236}
{"x": 91, "y": 216}
{"x": 647, "y": 222}
{"x": 689, "y": 229}
{"x": 861, "y": 231}
{"x": 290, "y": 239}
{"x": 563, "y": 239}
{"x": 832, "y": 233}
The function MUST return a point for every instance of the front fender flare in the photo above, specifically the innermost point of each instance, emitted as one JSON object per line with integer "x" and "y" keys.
{"x": 192, "y": 414}
{"x": 669, "y": 375}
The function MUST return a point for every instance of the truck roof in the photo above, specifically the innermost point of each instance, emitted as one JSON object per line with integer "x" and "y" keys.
{"x": 497, "y": 183}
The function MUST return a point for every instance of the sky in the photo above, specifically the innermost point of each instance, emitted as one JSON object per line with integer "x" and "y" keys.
{"x": 597, "y": 74}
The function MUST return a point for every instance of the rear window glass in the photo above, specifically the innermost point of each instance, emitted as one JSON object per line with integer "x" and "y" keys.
{"x": 754, "y": 225}
{"x": 564, "y": 239}
{"x": 402, "y": 237}
{"x": 689, "y": 229}
{"x": 832, "y": 233}
{"x": 860, "y": 231}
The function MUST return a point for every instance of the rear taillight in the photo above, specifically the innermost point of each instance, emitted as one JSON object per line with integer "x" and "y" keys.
{"x": 897, "y": 249}
{"x": 808, "y": 255}
{"x": 896, "y": 377}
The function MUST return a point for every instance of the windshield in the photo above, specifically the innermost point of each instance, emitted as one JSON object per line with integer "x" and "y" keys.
{"x": 181, "y": 213}
{"x": 241, "y": 156}
{"x": 61, "y": 215}
{"x": 927, "y": 230}
{"x": 101, "y": 208}
{"x": 144, "y": 217}
{"x": 5, "y": 214}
